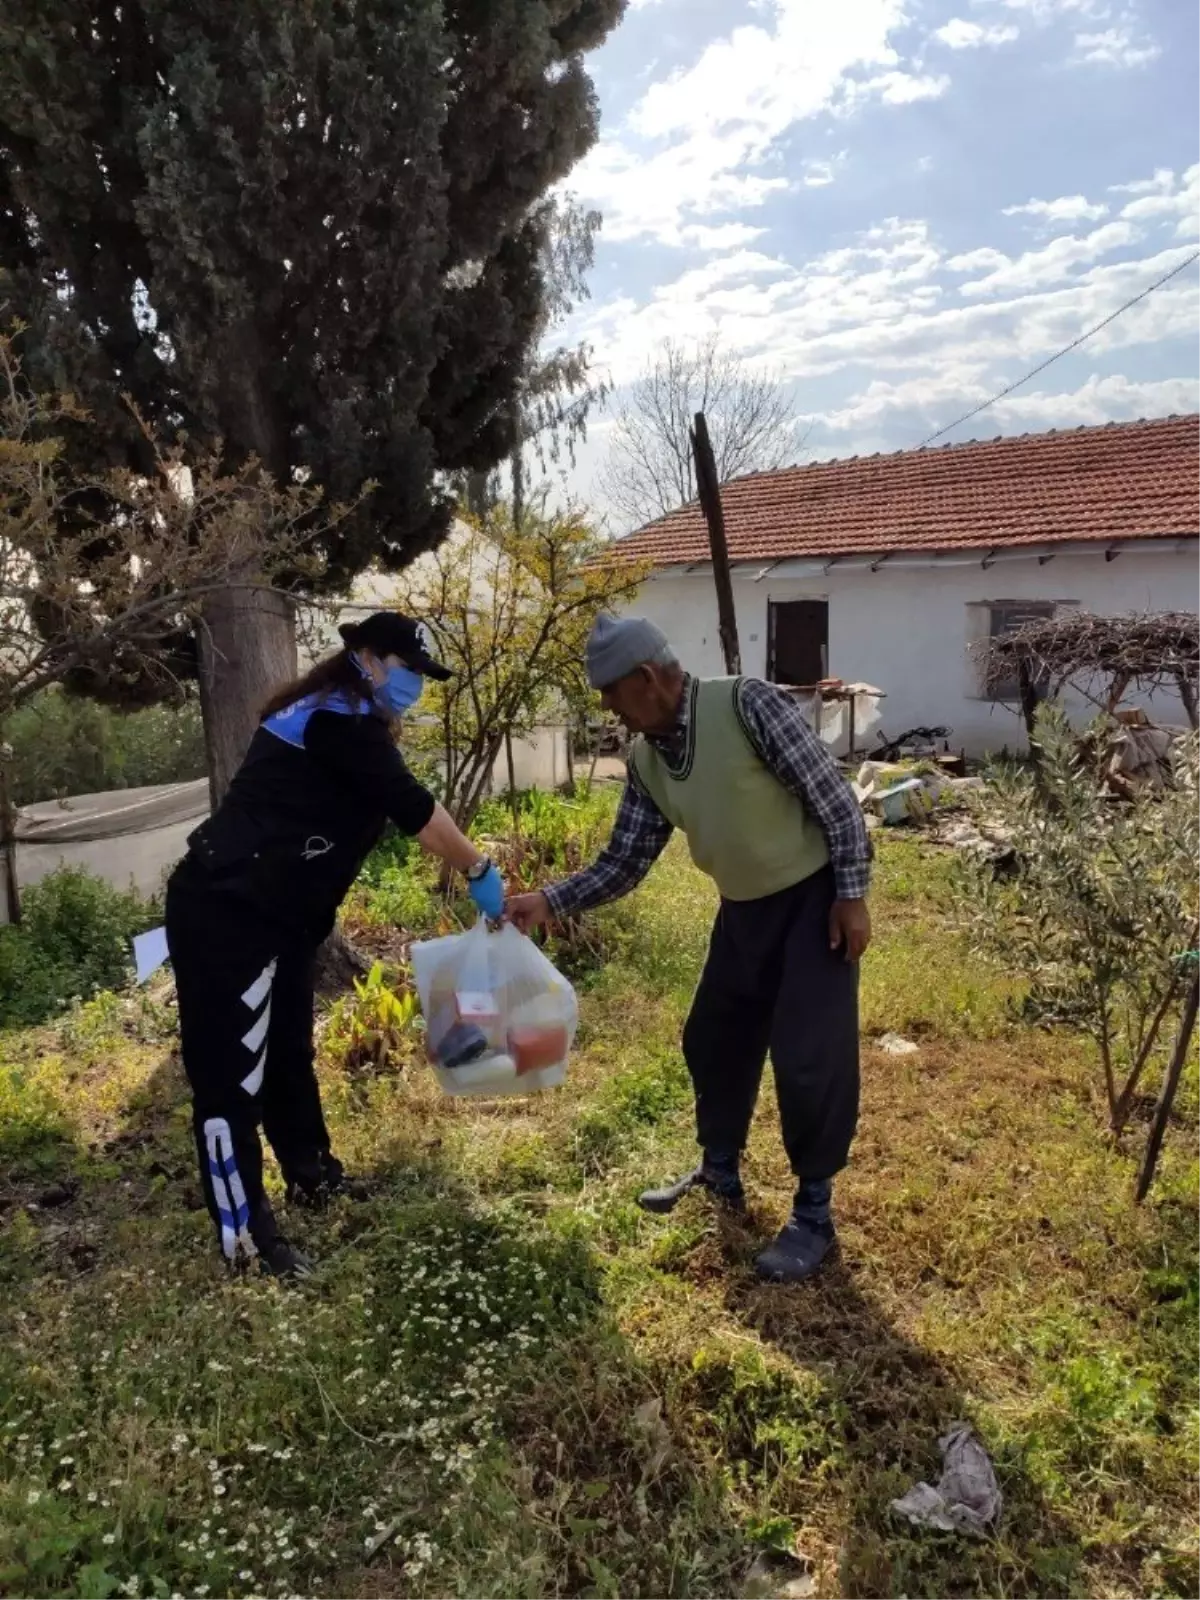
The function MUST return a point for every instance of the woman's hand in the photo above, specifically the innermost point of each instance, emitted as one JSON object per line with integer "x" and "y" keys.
{"x": 487, "y": 891}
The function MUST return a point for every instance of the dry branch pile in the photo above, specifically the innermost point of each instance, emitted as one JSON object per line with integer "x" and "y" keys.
{"x": 1144, "y": 652}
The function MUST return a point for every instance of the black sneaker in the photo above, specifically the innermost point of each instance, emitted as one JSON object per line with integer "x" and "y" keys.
{"x": 318, "y": 1196}
{"x": 277, "y": 1256}
{"x": 797, "y": 1252}
{"x": 722, "y": 1183}
{"x": 281, "y": 1259}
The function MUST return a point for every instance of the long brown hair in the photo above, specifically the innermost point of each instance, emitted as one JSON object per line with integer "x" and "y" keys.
{"x": 324, "y": 678}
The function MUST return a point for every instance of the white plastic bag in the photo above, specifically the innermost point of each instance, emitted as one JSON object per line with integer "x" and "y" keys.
{"x": 498, "y": 990}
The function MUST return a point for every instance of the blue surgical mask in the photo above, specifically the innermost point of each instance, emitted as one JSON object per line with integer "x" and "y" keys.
{"x": 398, "y": 692}
{"x": 401, "y": 689}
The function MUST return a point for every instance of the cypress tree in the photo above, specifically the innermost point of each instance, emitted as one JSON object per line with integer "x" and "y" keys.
{"x": 308, "y": 232}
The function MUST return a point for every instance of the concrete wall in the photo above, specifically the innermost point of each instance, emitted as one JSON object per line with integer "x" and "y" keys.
{"x": 908, "y": 628}
{"x": 79, "y": 832}
{"x": 539, "y": 762}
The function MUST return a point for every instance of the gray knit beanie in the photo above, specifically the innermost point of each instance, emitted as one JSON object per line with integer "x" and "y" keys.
{"x": 619, "y": 645}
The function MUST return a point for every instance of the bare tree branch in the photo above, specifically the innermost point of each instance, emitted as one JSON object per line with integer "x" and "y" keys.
{"x": 751, "y": 419}
{"x": 153, "y": 549}
{"x": 513, "y": 608}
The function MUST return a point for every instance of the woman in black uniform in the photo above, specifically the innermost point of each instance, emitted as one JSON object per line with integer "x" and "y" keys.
{"x": 257, "y": 894}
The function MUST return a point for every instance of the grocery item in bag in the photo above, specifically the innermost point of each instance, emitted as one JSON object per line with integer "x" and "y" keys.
{"x": 498, "y": 988}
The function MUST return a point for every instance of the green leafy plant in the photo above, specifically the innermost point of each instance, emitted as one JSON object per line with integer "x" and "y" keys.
{"x": 75, "y": 939}
{"x": 1103, "y": 903}
{"x": 374, "y": 1027}
{"x": 64, "y": 745}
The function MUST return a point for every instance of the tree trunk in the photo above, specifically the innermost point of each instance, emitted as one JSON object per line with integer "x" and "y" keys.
{"x": 1188, "y": 695}
{"x": 516, "y": 463}
{"x": 8, "y": 844}
{"x": 247, "y": 651}
{"x": 514, "y": 807}
{"x": 338, "y": 964}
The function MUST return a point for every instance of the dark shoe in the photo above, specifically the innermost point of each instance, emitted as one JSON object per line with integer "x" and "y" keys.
{"x": 797, "y": 1252}
{"x": 722, "y": 1183}
{"x": 282, "y": 1260}
{"x": 332, "y": 1184}
{"x": 277, "y": 1256}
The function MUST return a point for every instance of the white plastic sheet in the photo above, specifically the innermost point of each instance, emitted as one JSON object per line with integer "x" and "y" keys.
{"x": 149, "y": 952}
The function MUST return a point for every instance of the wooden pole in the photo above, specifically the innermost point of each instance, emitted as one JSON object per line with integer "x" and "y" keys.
{"x": 8, "y": 843}
{"x": 710, "y": 503}
{"x": 1166, "y": 1099}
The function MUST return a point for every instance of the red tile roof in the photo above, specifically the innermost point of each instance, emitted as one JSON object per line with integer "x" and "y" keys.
{"x": 1125, "y": 480}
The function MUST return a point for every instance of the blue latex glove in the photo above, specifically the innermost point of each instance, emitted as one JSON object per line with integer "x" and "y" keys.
{"x": 488, "y": 893}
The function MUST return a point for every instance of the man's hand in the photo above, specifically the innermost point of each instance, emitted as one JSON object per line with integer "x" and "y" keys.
{"x": 527, "y": 911}
{"x": 849, "y": 928}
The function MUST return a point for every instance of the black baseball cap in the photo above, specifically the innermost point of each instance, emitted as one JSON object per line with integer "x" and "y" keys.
{"x": 388, "y": 633}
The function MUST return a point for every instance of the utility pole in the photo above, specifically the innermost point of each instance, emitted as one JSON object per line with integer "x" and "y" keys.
{"x": 714, "y": 516}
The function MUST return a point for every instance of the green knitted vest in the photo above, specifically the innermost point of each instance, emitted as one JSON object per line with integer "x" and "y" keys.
{"x": 744, "y": 829}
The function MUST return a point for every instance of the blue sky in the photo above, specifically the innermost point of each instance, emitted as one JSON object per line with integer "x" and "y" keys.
{"x": 901, "y": 206}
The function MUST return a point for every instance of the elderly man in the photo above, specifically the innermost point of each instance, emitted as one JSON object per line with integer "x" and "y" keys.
{"x": 768, "y": 816}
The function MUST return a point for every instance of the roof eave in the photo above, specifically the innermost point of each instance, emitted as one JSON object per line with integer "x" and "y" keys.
{"x": 756, "y": 568}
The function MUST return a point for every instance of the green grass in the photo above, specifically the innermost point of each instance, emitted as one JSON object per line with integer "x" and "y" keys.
{"x": 506, "y": 1379}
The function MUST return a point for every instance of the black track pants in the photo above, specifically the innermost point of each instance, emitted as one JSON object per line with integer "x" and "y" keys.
{"x": 246, "y": 1022}
{"x": 772, "y": 983}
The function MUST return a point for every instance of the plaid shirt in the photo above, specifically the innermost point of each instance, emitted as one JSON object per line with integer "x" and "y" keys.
{"x": 788, "y": 748}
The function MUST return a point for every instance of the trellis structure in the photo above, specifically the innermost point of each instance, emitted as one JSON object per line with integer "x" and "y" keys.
{"x": 1144, "y": 652}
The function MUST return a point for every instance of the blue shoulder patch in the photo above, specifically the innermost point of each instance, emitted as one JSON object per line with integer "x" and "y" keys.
{"x": 290, "y": 723}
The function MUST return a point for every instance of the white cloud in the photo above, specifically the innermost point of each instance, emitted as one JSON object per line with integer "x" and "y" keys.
{"x": 1049, "y": 10}
{"x": 958, "y": 34}
{"x": 657, "y": 195}
{"x": 766, "y": 80}
{"x": 706, "y": 141}
{"x": 883, "y": 310}
{"x": 1162, "y": 182}
{"x": 1036, "y": 269}
{"x": 1115, "y": 47}
{"x": 1114, "y": 40}
{"x": 983, "y": 259}
{"x": 725, "y": 236}
{"x": 1068, "y": 208}
{"x": 895, "y": 89}
{"x": 817, "y": 174}
{"x": 1163, "y": 198}
{"x": 1108, "y": 399}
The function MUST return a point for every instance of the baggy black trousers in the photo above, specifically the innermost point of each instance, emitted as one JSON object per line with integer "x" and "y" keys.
{"x": 771, "y": 983}
{"x": 245, "y": 990}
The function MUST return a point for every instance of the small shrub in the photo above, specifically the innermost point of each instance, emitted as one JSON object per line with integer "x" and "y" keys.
{"x": 1103, "y": 903}
{"x": 376, "y": 1025}
{"x": 401, "y": 898}
{"x": 74, "y": 940}
{"x": 393, "y": 852}
{"x": 551, "y": 837}
{"x": 32, "y": 1127}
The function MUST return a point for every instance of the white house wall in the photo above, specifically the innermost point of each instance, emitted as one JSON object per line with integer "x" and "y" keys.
{"x": 908, "y": 630}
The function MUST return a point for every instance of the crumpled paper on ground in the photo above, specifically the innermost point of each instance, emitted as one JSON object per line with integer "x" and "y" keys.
{"x": 967, "y": 1498}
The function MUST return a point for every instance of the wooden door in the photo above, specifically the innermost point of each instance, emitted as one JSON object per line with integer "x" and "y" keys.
{"x": 797, "y": 641}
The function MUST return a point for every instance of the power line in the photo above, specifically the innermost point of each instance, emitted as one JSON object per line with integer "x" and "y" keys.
{"x": 1065, "y": 351}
